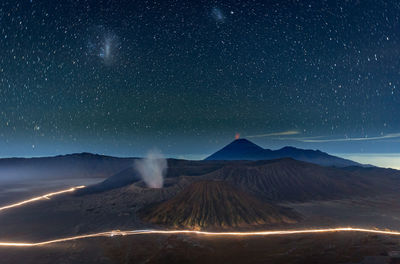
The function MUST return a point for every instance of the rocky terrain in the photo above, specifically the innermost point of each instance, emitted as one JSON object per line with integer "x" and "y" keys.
{"x": 215, "y": 195}
{"x": 275, "y": 180}
{"x": 216, "y": 205}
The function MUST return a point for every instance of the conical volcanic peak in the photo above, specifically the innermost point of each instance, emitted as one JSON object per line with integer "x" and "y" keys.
{"x": 239, "y": 149}
{"x": 216, "y": 204}
{"x": 243, "y": 149}
{"x": 242, "y": 142}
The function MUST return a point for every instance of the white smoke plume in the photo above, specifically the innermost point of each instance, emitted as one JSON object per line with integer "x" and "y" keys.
{"x": 152, "y": 169}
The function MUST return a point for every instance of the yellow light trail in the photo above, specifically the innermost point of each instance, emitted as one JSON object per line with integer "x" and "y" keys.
{"x": 205, "y": 233}
{"x": 43, "y": 197}
{"x": 170, "y": 232}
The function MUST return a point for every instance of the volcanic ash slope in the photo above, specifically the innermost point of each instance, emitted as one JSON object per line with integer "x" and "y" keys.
{"x": 216, "y": 205}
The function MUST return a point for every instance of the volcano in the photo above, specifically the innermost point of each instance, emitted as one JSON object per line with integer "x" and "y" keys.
{"x": 243, "y": 149}
{"x": 216, "y": 205}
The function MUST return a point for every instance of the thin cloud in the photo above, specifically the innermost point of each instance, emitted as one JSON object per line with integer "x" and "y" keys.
{"x": 299, "y": 138}
{"x": 283, "y": 133}
{"x": 394, "y": 135}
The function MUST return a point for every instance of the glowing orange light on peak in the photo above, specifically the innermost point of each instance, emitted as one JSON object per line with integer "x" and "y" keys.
{"x": 237, "y": 136}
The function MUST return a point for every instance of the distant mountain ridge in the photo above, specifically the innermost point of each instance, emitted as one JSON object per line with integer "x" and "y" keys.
{"x": 243, "y": 149}
{"x": 78, "y": 165}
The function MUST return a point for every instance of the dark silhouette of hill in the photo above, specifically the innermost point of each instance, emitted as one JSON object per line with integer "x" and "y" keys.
{"x": 216, "y": 204}
{"x": 243, "y": 149}
{"x": 278, "y": 180}
{"x": 289, "y": 179}
{"x": 82, "y": 165}
{"x": 121, "y": 179}
{"x": 130, "y": 175}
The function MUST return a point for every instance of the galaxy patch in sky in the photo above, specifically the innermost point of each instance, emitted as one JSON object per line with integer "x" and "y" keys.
{"x": 120, "y": 77}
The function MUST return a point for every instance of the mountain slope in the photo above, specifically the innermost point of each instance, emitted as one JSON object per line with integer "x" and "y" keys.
{"x": 216, "y": 204}
{"x": 243, "y": 149}
{"x": 292, "y": 180}
{"x": 275, "y": 180}
{"x": 81, "y": 165}
{"x": 121, "y": 179}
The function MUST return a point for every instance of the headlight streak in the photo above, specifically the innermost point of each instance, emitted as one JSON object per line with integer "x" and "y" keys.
{"x": 171, "y": 232}
{"x": 43, "y": 197}
{"x": 205, "y": 233}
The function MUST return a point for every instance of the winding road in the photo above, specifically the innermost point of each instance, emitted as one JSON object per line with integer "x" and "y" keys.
{"x": 168, "y": 232}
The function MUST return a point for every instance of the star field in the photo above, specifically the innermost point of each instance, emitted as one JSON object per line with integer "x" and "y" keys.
{"x": 119, "y": 77}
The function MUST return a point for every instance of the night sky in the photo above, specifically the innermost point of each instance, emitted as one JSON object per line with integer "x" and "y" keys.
{"x": 121, "y": 77}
